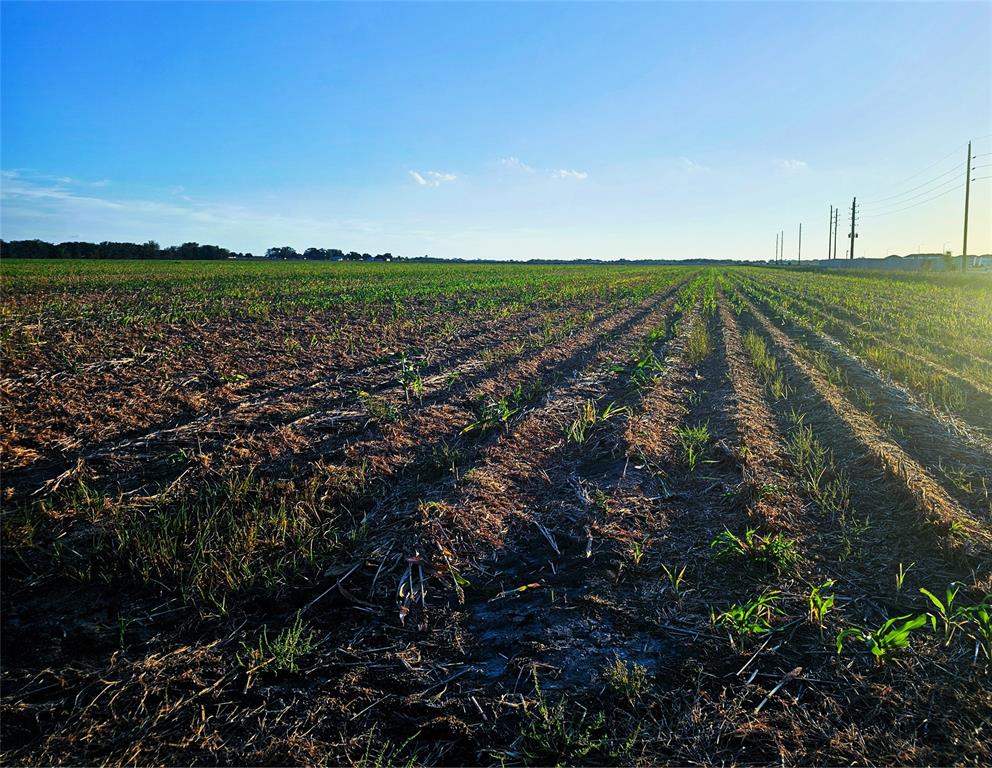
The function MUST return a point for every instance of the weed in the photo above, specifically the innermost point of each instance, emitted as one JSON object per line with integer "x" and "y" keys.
{"x": 961, "y": 477}
{"x": 444, "y": 458}
{"x": 601, "y": 502}
{"x": 828, "y": 487}
{"x": 647, "y": 371}
{"x": 292, "y": 345}
{"x": 230, "y": 535}
{"x": 626, "y": 680}
{"x": 584, "y": 420}
{"x": 694, "y": 441}
{"x": 587, "y": 417}
{"x": 378, "y": 408}
{"x": 698, "y": 344}
{"x": 773, "y": 551}
{"x": 553, "y": 735}
{"x": 383, "y": 753}
{"x": 751, "y": 618}
{"x": 410, "y": 378}
{"x": 853, "y": 532}
{"x": 766, "y": 365}
{"x": 492, "y": 413}
{"x": 958, "y": 529}
{"x": 283, "y": 652}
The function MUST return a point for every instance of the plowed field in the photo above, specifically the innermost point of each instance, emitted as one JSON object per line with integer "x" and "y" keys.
{"x": 493, "y": 514}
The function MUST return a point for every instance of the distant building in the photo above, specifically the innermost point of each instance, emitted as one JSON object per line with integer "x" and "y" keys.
{"x": 923, "y": 262}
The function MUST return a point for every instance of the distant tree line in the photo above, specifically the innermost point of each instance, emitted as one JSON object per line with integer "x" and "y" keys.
{"x": 325, "y": 254}
{"x": 39, "y": 249}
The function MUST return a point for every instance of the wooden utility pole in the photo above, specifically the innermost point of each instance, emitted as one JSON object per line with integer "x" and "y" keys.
{"x": 967, "y": 196}
{"x": 781, "y": 256}
{"x": 836, "y": 221}
{"x": 830, "y": 232}
{"x": 799, "y": 251}
{"x": 776, "y": 248}
{"x": 854, "y": 214}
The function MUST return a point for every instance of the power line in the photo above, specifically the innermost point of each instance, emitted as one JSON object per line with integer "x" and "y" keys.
{"x": 927, "y": 168}
{"x": 919, "y": 194}
{"x": 913, "y": 189}
{"x": 932, "y": 165}
{"x": 914, "y": 205}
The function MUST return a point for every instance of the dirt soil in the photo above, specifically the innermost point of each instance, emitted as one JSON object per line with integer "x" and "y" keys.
{"x": 486, "y": 539}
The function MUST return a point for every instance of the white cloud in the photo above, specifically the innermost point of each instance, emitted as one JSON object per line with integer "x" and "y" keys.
{"x": 692, "y": 165}
{"x": 516, "y": 163}
{"x": 565, "y": 173}
{"x": 793, "y": 165}
{"x": 432, "y": 178}
{"x": 60, "y": 181}
{"x": 34, "y": 205}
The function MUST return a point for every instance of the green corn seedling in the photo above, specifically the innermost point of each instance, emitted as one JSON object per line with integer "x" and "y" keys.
{"x": 887, "y": 639}
{"x": 820, "y": 603}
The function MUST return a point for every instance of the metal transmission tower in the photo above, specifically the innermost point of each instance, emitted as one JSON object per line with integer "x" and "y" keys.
{"x": 854, "y": 218}
{"x": 967, "y": 197}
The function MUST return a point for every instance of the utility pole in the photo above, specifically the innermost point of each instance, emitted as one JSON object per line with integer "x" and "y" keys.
{"x": 799, "y": 252}
{"x": 781, "y": 256}
{"x": 854, "y": 216}
{"x": 776, "y": 248}
{"x": 967, "y": 196}
{"x": 836, "y": 220}
{"x": 830, "y": 232}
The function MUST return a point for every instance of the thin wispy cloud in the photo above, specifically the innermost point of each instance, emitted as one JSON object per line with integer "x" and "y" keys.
{"x": 566, "y": 173}
{"x": 432, "y": 178}
{"x": 64, "y": 181}
{"x": 516, "y": 163}
{"x": 793, "y": 166}
{"x": 31, "y": 201}
{"x": 692, "y": 165}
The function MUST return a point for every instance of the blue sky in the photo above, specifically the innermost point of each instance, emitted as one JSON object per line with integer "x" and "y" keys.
{"x": 662, "y": 130}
